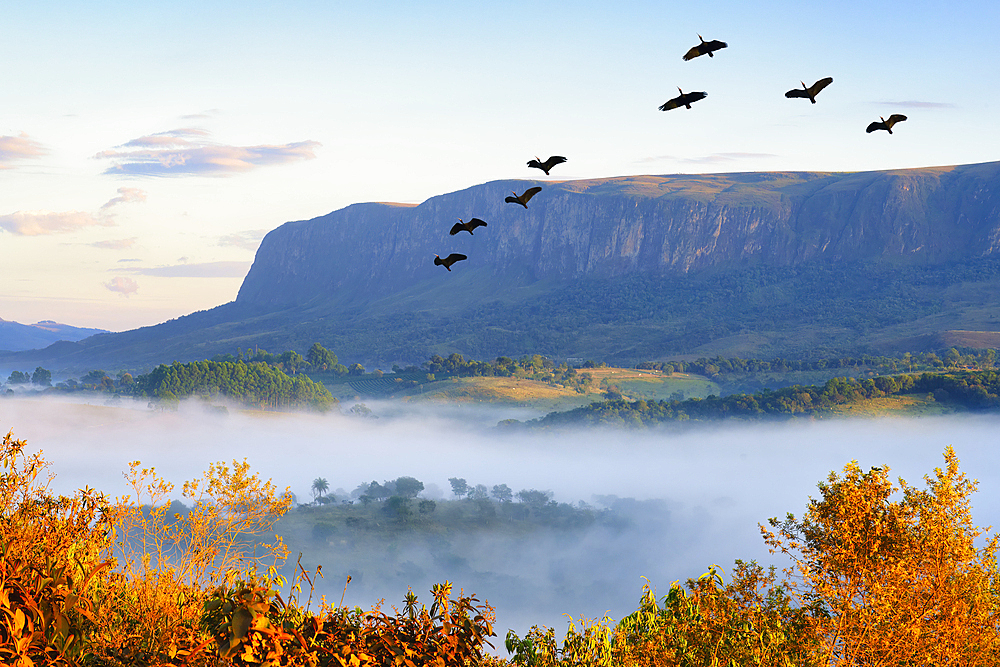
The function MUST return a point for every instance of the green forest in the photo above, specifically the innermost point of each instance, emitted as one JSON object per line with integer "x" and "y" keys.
{"x": 961, "y": 391}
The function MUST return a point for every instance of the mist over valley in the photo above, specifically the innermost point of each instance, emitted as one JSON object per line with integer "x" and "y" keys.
{"x": 663, "y": 504}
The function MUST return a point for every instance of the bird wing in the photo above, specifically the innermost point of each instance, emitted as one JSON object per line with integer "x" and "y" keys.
{"x": 797, "y": 92}
{"x": 877, "y": 125}
{"x": 820, "y": 85}
{"x": 476, "y": 222}
{"x": 438, "y": 261}
{"x": 457, "y": 227}
{"x": 894, "y": 118}
{"x": 454, "y": 257}
{"x": 714, "y": 45}
{"x": 694, "y": 52}
{"x": 695, "y": 96}
{"x": 536, "y": 164}
{"x": 529, "y": 193}
{"x": 512, "y": 200}
{"x": 553, "y": 161}
{"x": 671, "y": 104}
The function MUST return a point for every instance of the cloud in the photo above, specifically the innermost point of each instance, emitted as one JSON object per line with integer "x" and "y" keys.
{"x": 198, "y": 270}
{"x": 714, "y": 158}
{"x": 123, "y": 285}
{"x": 116, "y": 244}
{"x": 189, "y": 152}
{"x": 38, "y": 223}
{"x": 248, "y": 239}
{"x": 916, "y": 104}
{"x": 126, "y": 196}
{"x": 20, "y": 147}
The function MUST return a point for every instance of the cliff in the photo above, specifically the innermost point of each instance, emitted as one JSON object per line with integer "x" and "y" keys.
{"x": 621, "y": 269}
{"x": 643, "y": 224}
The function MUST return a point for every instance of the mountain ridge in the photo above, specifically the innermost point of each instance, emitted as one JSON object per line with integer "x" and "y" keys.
{"x": 625, "y": 269}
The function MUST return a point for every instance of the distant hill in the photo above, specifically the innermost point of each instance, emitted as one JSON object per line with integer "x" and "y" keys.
{"x": 620, "y": 269}
{"x": 14, "y": 336}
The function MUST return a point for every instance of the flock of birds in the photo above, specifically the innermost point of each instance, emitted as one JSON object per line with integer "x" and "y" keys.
{"x": 683, "y": 100}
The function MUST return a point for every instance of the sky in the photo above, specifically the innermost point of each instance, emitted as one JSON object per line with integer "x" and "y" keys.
{"x": 147, "y": 147}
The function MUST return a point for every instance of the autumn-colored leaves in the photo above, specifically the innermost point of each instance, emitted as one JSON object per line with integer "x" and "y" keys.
{"x": 875, "y": 581}
{"x": 881, "y": 575}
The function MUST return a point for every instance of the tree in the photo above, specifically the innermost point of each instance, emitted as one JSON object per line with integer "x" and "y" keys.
{"x": 356, "y": 369}
{"x": 408, "y": 487}
{"x": 479, "y": 492}
{"x": 459, "y": 486}
{"x": 319, "y": 487}
{"x": 320, "y": 358}
{"x": 502, "y": 493}
{"x": 17, "y": 377}
{"x": 533, "y": 497}
{"x": 894, "y": 582}
{"x": 41, "y": 377}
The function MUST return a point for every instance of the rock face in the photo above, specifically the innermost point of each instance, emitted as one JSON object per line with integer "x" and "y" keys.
{"x": 642, "y": 224}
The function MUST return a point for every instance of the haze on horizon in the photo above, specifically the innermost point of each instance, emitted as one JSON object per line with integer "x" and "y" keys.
{"x": 146, "y": 149}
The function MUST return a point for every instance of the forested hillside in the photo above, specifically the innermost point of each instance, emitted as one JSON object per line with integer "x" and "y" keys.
{"x": 622, "y": 269}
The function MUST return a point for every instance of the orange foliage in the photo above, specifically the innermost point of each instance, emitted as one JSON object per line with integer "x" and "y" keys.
{"x": 891, "y": 582}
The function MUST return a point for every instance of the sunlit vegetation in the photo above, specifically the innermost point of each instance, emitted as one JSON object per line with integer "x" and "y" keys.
{"x": 89, "y": 580}
{"x": 961, "y": 391}
{"x": 880, "y": 574}
{"x": 877, "y": 579}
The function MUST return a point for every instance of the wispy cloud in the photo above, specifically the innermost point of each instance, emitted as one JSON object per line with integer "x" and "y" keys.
{"x": 123, "y": 285}
{"x": 248, "y": 239}
{"x": 189, "y": 152}
{"x": 917, "y": 104}
{"x": 195, "y": 270}
{"x": 126, "y": 196}
{"x": 39, "y": 223}
{"x": 21, "y": 147}
{"x": 714, "y": 158}
{"x": 116, "y": 244}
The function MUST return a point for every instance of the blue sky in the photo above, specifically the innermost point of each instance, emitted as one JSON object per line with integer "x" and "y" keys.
{"x": 145, "y": 148}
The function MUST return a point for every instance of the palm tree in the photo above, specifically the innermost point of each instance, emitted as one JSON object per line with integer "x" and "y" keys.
{"x": 319, "y": 487}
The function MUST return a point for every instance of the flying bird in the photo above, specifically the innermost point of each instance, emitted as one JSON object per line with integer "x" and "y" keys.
{"x": 449, "y": 260}
{"x": 462, "y": 226}
{"x": 548, "y": 164}
{"x": 523, "y": 199}
{"x": 684, "y": 99}
{"x": 703, "y": 48}
{"x": 886, "y": 123}
{"x": 810, "y": 92}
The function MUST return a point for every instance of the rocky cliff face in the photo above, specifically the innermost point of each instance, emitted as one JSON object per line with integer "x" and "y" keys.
{"x": 643, "y": 224}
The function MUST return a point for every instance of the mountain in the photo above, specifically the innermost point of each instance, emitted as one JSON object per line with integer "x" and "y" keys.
{"x": 622, "y": 269}
{"x": 14, "y": 336}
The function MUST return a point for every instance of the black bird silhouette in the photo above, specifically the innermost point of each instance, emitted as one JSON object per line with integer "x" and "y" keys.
{"x": 684, "y": 99}
{"x": 703, "y": 48}
{"x": 548, "y": 164}
{"x": 886, "y": 123}
{"x": 462, "y": 226}
{"x": 523, "y": 199}
{"x": 449, "y": 260}
{"x": 812, "y": 91}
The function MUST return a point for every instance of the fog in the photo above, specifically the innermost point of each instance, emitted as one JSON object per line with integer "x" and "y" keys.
{"x": 696, "y": 494}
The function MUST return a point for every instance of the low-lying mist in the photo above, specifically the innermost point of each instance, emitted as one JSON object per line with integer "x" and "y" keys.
{"x": 680, "y": 500}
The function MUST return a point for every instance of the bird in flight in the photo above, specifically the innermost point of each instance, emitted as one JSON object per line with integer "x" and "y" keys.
{"x": 684, "y": 99}
{"x": 810, "y": 92}
{"x": 703, "y": 48}
{"x": 548, "y": 164}
{"x": 449, "y": 260}
{"x": 462, "y": 226}
{"x": 523, "y": 199}
{"x": 886, "y": 123}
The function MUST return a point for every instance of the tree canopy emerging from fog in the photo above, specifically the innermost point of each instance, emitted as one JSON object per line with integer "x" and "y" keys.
{"x": 254, "y": 383}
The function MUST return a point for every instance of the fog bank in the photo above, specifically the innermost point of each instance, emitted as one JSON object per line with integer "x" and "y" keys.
{"x": 699, "y": 494}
